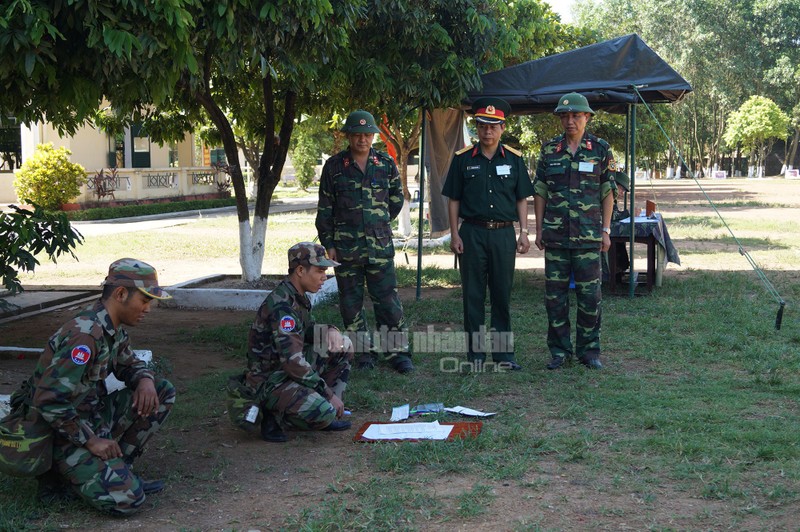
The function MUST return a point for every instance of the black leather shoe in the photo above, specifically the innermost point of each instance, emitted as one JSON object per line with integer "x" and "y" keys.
{"x": 556, "y": 362}
{"x": 152, "y": 486}
{"x": 270, "y": 430}
{"x": 401, "y": 364}
{"x": 592, "y": 363}
{"x": 510, "y": 365}
{"x": 337, "y": 425}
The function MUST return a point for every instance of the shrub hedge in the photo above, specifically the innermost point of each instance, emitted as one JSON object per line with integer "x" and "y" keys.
{"x": 127, "y": 211}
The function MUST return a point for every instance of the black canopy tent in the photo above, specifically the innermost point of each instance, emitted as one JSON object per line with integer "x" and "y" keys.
{"x": 608, "y": 73}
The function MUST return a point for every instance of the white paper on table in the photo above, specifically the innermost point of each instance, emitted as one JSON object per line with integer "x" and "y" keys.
{"x": 408, "y": 431}
{"x": 639, "y": 220}
{"x": 399, "y": 413}
{"x": 464, "y": 411}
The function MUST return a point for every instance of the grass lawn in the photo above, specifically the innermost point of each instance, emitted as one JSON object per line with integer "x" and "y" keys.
{"x": 692, "y": 425}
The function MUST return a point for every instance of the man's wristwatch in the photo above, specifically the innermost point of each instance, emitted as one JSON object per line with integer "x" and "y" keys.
{"x": 607, "y": 230}
{"x": 524, "y": 230}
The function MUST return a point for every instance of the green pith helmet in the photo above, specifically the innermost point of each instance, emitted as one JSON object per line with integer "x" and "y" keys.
{"x": 573, "y": 103}
{"x": 360, "y": 122}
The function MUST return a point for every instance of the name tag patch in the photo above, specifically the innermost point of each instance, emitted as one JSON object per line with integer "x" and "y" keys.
{"x": 473, "y": 167}
{"x": 586, "y": 167}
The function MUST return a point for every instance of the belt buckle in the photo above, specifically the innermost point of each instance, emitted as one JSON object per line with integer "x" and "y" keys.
{"x": 491, "y": 225}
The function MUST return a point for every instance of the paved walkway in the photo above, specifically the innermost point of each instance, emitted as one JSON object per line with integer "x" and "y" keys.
{"x": 169, "y": 219}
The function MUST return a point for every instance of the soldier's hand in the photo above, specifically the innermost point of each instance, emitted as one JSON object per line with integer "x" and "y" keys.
{"x": 523, "y": 244}
{"x": 538, "y": 242}
{"x": 456, "y": 244}
{"x": 606, "y": 242}
{"x": 332, "y": 254}
{"x": 103, "y": 448}
{"x": 145, "y": 398}
{"x": 338, "y": 405}
{"x": 336, "y": 340}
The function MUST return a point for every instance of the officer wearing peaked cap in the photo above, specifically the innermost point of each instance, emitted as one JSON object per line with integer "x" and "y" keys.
{"x": 98, "y": 435}
{"x": 488, "y": 186}
{"x": 359, "y": 195}
{"x": 573, "y": 204}
{"x": 297, "y": 370}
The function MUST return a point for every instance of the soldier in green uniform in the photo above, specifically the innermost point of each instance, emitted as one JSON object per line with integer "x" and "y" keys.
{"x": 488, "y": 186}
{"x": 572, "y": 204}
{"x": 297, "y": 370}
{"x": 359, "y": 195}
{"x": 97, "y": 434}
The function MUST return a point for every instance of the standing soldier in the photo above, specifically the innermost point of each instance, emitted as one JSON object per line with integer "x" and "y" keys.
{"x": 488, "y": 186}
{"x": 573, "y": 205}
{"x": 98, "y": 435}
{"x": 359, "y": 195}
{"x": 297, "y": 370}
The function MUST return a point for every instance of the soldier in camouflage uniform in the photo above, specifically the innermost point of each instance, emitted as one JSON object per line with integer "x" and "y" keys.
{"x": 488, "y": 186}
{"x": 359, "y": 195}
{"x": 572, "y": 204}
{"x": 297, "y": 369}
{"x": 97, "y": 435}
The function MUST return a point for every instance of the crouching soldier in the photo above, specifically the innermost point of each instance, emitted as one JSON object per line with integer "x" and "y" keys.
{"x": 297, "y": 370}
{"x": 97, "y": 435}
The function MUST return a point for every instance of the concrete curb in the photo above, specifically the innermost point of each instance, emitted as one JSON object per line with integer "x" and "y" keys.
{"x": 190, "y": 294}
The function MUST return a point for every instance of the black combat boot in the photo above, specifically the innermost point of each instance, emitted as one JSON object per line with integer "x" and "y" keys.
{"x": 270, "y": 429}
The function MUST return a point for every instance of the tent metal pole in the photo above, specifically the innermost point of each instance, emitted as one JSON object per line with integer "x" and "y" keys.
{"x": 632, "y": 174}
{"x": 422, "y": 155}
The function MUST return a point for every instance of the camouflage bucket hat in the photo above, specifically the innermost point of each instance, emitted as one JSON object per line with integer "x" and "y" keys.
{"x": 132, "y": 273}
{"x": 573, "y": 103}
{"x": 309, "y": 254}
{"x": 360, "y": 122}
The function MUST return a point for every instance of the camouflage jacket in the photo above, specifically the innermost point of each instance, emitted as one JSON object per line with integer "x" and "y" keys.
{"x": 356, "y": 208}
{"x": 573, "y": 189}
{"x": 68, "y": 385}
{"x": 281, "y": 333}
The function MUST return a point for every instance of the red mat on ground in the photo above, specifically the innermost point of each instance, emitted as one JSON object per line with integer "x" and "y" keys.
{"x": 461, "y": 430}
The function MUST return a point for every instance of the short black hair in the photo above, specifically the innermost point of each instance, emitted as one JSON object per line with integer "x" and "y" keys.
{"x": 108, "y": 289}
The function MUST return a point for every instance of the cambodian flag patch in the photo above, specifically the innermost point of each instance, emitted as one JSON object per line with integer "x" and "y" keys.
{"x": 81, "y": 354}
{"x": 287, "y": 324}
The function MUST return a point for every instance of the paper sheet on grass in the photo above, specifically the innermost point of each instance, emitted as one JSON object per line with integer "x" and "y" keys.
{"x": 464, "y": 411}
{"x": 408, "y": 431}
{"x": 399, "y": 413}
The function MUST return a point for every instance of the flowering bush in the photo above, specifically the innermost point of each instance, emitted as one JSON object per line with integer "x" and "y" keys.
{"x": 48, "y": 178}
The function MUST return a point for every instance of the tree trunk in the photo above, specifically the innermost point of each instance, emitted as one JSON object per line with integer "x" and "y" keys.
{"x": 403, "y": 147}
{"x": 792, "y": 152}
{"x": 273, "y": 157}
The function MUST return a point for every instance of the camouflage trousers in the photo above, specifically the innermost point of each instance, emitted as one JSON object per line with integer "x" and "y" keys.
{"x": 488, "y": 260}
{"x": 301, "y": 406}
{"x": 110, "y": 485}
{"x": 584, "y": 264}
{"x": 381, "y": 282}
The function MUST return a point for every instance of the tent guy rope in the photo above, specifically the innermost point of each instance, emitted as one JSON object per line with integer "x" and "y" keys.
{"x": 742, "y": 251}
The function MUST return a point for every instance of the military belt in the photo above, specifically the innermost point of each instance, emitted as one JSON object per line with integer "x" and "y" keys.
{"x": 488, "y": 224}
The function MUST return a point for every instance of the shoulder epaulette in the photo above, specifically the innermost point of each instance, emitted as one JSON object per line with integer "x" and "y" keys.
{"x": 464, "y": 150}
{"x": 513, "y": 150}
